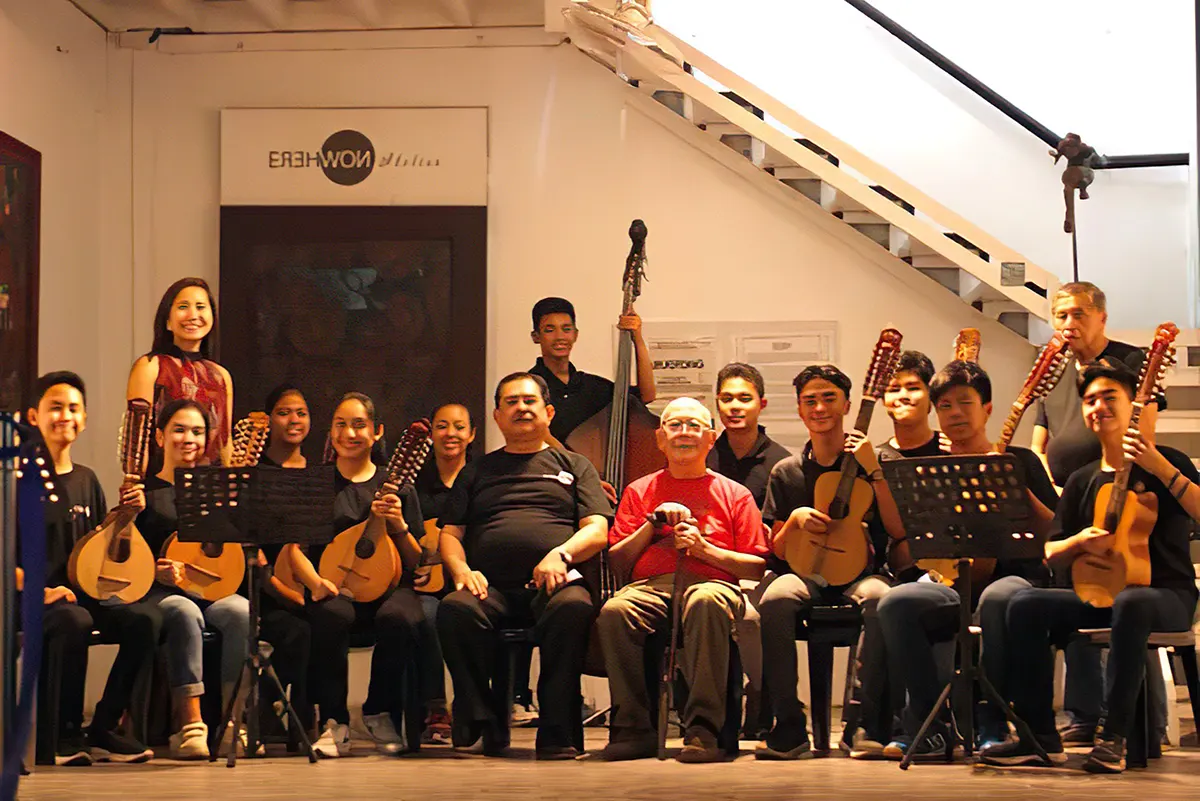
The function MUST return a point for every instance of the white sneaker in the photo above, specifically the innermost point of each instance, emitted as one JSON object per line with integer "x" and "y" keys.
{"x": 523, "y": 716}
{"x": 334, "y": 740}
{"x": 190, "y": 742}
{"x": 381, "y": 731}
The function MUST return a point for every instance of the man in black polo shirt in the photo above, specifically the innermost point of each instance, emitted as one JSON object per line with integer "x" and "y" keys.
{"x": 746, "y": 454}
{"x": 574, "y": 394}
{"x": 519, "y": 516}
{"x": 1064, "y": 443}
{"x": 906, "y": 400}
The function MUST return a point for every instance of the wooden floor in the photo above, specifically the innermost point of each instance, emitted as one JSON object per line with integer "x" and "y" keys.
{"x": 438, "y": 773}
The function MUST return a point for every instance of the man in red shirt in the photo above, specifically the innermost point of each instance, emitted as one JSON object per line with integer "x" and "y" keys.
{"x": 715, "y": 536}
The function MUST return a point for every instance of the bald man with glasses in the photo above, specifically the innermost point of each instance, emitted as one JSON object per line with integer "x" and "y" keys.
{"x": 713, "y": 533}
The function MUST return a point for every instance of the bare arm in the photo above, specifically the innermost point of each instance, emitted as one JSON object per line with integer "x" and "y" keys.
{"x": 742, "y": 565}
{"x": 302, "y": 566}
{"x": 454, "y": 556}
{"x": 227, "y": 448}
{"x": 624, "y": 554}
{"x": 645, "y": 369}
{"x": 588, "y": 541}
{"x": 142, "y": 376}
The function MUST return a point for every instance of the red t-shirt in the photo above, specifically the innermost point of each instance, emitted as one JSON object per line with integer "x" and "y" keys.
{"x": 724, "y": 509}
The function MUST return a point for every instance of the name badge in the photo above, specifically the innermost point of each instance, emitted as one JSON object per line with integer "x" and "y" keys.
{"x": 563, "y": 477}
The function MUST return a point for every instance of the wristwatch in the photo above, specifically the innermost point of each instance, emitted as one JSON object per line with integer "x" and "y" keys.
{"x": 566, "y": 557}
{"x": 877, "y": 474}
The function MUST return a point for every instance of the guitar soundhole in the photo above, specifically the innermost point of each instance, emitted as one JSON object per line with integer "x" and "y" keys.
{"x": 364, "y": 548}
{"x": 212, "y": 549}
{"x": 121, "y": 551}
{"x": 837, "y": 510}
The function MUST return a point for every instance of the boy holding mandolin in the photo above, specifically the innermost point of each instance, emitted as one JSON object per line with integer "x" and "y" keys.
{"x": 1122, "y": 526}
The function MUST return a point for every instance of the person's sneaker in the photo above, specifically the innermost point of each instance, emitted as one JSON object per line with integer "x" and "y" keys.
{"x": 896, "y": 749}
{"x": 437, "y": 729}
{"x": 72, "y": 751}
{"x": 933, "y": 748}
{"x": 190, "y": 742}
{"x": 1108, "y": 755}
{"x": 334, "y": 740}
{"x": 524, "y": 715}
{"x": 1017, "y": 752}
{"x": 380, "y": 730}
{"x": 785, "y": 741}
{"x": 625, "y": 744}
{"x": 991, "y": 735}
{"x": 860, "y": 746}
{"x": 1078, "y": 734}
{"x": 111, "y": 746}
{"x": 700, "y": 745}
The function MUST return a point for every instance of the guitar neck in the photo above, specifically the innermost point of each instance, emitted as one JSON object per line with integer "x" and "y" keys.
{"x": 1116, "y": 501}
{"x": 1010, "y": 427}
{"x": 841, "y": 499}
{"x": 614, "y": 456}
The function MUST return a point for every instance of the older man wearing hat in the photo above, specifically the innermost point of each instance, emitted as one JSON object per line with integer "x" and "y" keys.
{"x": 712, "y": 532}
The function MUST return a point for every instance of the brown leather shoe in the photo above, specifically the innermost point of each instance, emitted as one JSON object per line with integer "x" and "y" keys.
{"x": 700, "y": 745}
{"x": 624, "y": 744}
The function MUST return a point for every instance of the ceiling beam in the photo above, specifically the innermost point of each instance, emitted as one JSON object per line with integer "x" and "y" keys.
{"x": 274, "y": 13}
{"x": 458, "y": 12}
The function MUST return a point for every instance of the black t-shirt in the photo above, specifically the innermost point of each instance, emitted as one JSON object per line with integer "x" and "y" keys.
{"x": 432, "y": 492}
{"x": 352, "y": 505}
{"x": 1170, "y": 560}
{"x": 791, "y": 487}
{"x": 159, "y": 519}
{"x": 888, "y": 452}
{"x": 516, "y": 507}
{"x": 1034, "y": 475}
{"x": 1072, "y": 444}
{"x": 574, "y": 402}
{"x": 80, "y": 508}
{"x": 754, "y": 469}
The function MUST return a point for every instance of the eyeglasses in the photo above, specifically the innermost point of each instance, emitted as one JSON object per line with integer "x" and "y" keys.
{"x": 691, "y": 426}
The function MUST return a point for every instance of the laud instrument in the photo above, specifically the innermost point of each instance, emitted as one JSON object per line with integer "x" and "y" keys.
{"x": 113, "y": 560}
{"x": 1119, "y": 511}
{"x": 841, "y": 553}
{"x": 214, "y": 570}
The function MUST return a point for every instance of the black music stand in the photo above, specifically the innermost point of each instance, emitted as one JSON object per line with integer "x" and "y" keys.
{"x": 254, "y": 506}
{"x": 963, "y": 507}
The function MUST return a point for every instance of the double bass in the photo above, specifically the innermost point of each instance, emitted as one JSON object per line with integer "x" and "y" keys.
{"x": 620, "y": 438}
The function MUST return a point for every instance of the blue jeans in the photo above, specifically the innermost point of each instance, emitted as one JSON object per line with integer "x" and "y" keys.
{"x": 184, "y": 621}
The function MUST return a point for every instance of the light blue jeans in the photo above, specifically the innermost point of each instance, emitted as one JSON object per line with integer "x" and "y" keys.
{"x": 184, "y": 621}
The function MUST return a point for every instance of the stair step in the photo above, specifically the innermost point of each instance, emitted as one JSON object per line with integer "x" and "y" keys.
{"x": 809, "y": 187}
{"x": 752, "y": 149}
{"x": 678, "y": 102}
{"x": 879, "y": 233}
{"x": 948, "y": 277}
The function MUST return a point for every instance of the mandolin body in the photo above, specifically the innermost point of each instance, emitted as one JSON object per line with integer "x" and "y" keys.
{"x": 841, "y": 554}
{"x": 1098, "y": 578}
{"x": 362, "y": 561}
{"x": 105, "y": 569}
{"x": 211, "y": 577}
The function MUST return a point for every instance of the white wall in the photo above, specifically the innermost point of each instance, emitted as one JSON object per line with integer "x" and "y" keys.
{"x": 60, "y": 90}
{"x": 569, "y": 167}
{"x": 1120, "y": 75}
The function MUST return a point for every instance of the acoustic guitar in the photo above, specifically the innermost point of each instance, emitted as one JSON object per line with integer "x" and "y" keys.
{"x": 1043, "y": 377}
{"x": 1098, "y": 578}
{"x": 362, "y": 561}
{"x": 113, "y": 560}
{"x": 214, "y": 570}
{"x": 966, "y": 345}
{"x": 430, "y": 577}
{"x": 840, "y": 554}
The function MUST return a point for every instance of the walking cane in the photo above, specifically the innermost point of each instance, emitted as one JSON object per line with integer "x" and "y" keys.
{"x": 666, "y": 680}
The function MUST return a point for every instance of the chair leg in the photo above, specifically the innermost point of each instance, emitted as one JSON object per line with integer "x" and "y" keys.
{"x": 1172, "y": 697}
{"x": 820, "y": 688}
{"x": 1191, "y": 673}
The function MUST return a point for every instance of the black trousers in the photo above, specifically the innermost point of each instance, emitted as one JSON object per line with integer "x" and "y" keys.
{"x": 1038, "y": 618}
{"x": 467, "y": 627}
{"x": 66, "y": 633}
{"x": 290, "y": 634}
{"x": 391, "y": 623}
{"x": 135, "y": 628}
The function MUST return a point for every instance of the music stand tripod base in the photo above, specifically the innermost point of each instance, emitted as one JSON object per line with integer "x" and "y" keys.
{"x": 254, "y": 506}
{"x": 964, "y": 507}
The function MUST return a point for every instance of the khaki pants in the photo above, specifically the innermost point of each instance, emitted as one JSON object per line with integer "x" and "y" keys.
{"x": 710, "y": 610}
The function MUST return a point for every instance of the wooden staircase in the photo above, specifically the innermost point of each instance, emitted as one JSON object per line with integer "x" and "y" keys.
{"x": 785, "y": 148}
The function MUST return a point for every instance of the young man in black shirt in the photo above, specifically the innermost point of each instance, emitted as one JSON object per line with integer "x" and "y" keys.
{"x": 59, "y": 410}
{"x": 822, "y": 393}
{"x": 746, "y": 454}
{"x": 906, "y": 400}
{"x": 916, "y": 615}
{"x": 515, "y": 523}
{"x": 1064, "y": 443}
{"x": 1038, "y": 618}
{"x": 574, "y": 394}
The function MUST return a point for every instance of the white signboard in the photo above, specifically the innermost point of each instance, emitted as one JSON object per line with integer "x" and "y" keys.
{"x": 354, "y": 157}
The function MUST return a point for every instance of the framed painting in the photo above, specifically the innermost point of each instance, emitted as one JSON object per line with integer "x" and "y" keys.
{"x": 388, "y": 301}
{"x": 20, "y": 206}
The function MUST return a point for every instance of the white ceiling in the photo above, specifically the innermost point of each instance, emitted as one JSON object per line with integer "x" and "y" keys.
{"x": 253, "y": 16}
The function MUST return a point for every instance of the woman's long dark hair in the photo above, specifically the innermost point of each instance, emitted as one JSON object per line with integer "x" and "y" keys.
{"x": 379, "y": 451}
{"x": 164, "y": 340}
